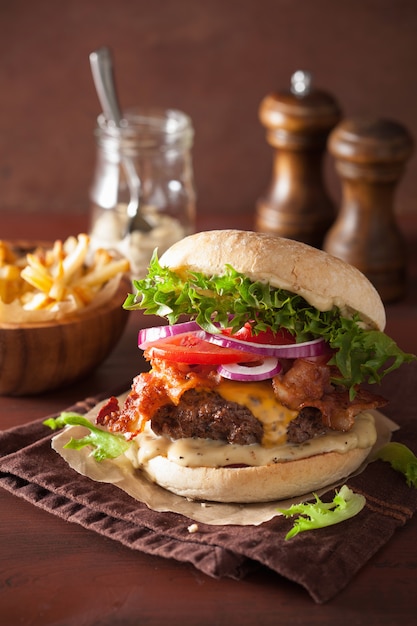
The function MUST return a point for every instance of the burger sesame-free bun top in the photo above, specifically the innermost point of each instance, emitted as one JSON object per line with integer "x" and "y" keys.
{"x": 324, "y": 281}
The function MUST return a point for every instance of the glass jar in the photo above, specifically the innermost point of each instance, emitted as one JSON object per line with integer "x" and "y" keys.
{"x": 143, "y": 167}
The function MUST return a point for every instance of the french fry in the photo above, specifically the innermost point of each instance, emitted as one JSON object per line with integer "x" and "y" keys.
{"x": 67, "y": 271}
{"x": 101, "y": 275}
{"x": 36, "y": 274}
{"x": 11, "y": 284}
{"x": 76, "y": 258}
{"x": 36, "y": 301}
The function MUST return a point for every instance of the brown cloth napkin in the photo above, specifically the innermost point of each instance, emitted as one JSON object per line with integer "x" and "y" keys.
{"x": 323, "y": 561}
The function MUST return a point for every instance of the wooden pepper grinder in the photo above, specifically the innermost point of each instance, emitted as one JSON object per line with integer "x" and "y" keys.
{"x": 370, "y": 159}
{"x": 298, "y": 122}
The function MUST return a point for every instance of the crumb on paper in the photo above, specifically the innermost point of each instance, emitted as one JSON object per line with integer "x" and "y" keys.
{"x": 193, "y": 528}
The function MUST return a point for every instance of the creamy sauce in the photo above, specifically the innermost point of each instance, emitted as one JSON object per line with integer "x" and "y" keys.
{"x": 110, "y": 225}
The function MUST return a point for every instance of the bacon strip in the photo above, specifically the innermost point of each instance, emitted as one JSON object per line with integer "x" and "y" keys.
{"x": 164, "y": 384}
{"x": 304, "y": 381}
{"x": 307, "y": 384}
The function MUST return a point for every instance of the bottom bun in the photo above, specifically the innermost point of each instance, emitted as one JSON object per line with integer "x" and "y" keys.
{"x": 255, "y": 484}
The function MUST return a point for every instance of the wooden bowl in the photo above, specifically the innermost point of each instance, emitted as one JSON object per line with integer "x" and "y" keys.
{"x": 39, "y": 357}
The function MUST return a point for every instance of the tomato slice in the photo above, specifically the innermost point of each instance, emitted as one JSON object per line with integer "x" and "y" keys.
{"x": 281, "y": 337}
{"x": 189, "y": 348}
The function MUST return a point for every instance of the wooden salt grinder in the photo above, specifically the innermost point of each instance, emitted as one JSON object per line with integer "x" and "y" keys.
{"x": 298, "y": 122}
{"x": 370, "y": 159}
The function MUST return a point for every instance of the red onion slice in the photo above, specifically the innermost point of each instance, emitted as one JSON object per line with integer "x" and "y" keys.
{"x": 267, "y": 369}
{"x": 147, "y": 336}
{"x": 316, "y": 347}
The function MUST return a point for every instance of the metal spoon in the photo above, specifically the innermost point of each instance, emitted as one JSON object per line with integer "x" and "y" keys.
{"x": 102, "y": 69}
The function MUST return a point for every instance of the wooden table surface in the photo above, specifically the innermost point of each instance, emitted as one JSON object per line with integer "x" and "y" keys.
{"x": 55, "y": 572}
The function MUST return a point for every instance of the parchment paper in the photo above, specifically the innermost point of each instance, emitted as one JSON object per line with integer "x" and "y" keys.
{"x": 121, "y": 473}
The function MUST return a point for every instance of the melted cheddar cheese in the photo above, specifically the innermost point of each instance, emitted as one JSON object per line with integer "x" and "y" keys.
{"x": 260, "y": 399}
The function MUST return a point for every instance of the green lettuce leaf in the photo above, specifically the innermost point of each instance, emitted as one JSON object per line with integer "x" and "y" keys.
{"x": 401, "y": 459}
{"x": 232, "y": 299}
{"x": 104, "y": 445}
{"x": 345, "y": 504}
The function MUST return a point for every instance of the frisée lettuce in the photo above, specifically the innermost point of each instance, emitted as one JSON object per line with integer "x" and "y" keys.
{"x": 105, "y": 445}
{"x": 401, "y": 459}
{"x": 232, "y": 299}
{"x": 319, "y": 514}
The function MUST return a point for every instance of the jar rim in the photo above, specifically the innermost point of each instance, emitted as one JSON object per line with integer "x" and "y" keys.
{"x": 147, "y": 121}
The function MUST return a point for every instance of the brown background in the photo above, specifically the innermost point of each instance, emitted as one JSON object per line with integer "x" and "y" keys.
{"x": 215, "y": 60}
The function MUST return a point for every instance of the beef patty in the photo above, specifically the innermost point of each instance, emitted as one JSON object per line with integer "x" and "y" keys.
{"x": 207, "y": 415}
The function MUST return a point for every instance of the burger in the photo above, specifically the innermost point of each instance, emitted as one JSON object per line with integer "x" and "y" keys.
{"x": 258, "y": 387}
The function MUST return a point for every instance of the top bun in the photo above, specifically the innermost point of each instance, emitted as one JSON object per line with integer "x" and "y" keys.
{"x": 324, "y": 281}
